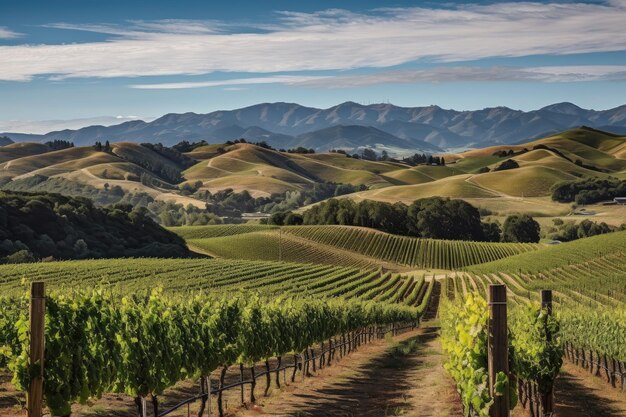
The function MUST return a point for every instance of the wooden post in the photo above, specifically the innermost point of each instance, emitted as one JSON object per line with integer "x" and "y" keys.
{"x": 37, "y": 346}
{"x": 243, "y": 400}
{"x": 546, "y": 300}
{"x": 252, "y": 385}
{"x": 547, "y": 398}
{"x": 498, "y": 348}
{"x": 155, "y": 405}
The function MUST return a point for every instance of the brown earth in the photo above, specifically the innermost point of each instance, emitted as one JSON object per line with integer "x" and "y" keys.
{"x": 401, "y": 377}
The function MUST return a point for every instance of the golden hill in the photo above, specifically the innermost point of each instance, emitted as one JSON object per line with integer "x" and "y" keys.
{"x": 573, "y": 154}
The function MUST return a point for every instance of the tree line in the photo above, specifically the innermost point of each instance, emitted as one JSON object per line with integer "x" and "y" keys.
{"x": 434, "y": 217}
{"x": 588, "y": 191}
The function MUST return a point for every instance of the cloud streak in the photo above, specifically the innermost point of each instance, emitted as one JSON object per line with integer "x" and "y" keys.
{"x": 6, "y": 33}
{"x": 326, "y": 40}
{"x": 285, "y": 79}
{"x": 553, "y": 74}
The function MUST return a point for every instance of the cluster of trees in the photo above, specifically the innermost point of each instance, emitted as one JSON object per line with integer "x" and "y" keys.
{"x": 171, "y": 214}
{"x": 568, "y": 231}
{"x": 299, "y": 149}
{"x": 421, "y": 159}
{"x": 413, "y": 160}
{"x": 52, "y": 226}
{"x": 178, "y": 216}
{"x": 186, "y": 146}
{"x": 588, "y": 191}
{"x": 520, "y": 228}
{"x": 172, "y": 154}
{"x": 508, "y": 164}
{"x": 504, "y": 153}
{"x": 98, "y": 146}
{"x": 229, "y": 203}
{"x": 57, "y": 144}
{"x": 366, "y": 154}
{"x": 434, "y": 217}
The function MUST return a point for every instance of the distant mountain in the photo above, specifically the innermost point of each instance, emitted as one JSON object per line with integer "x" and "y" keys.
{"x": 354, "y": 137}
{"x": 284, "y": 124}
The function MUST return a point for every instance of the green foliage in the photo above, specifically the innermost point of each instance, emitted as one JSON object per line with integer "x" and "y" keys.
{"x": 464, "y": 339}
{"x": 520, "y": 228}
{"x": 535, "y": 350}
{"x": 140, "y": 345}
{"x": 568, "y": 231}
{"x": 433, "y": 217}
{"x": 557, "y": 256}
{"x": 50, "y": 225}
{"x": 602, "y": 330}
{"x": 536, "y": 344}
{"x": 589, "y": 190}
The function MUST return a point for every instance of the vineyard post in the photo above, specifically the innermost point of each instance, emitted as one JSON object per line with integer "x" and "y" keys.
{"x": 547, "y": 398}
{"x": 37, "y": 340}
{"x": 498, "y": 349}
{"x": 243, "y": 400}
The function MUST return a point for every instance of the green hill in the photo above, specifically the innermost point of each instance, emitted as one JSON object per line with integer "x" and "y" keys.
{"x": 558, "y": 255}
{"x": 343, "y": 245}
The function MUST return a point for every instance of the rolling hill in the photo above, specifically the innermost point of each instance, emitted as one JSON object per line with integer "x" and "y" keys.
{"x": 471, "y": 175}
{"x": 280, "y": 124}
{"x": 342, "y": 245}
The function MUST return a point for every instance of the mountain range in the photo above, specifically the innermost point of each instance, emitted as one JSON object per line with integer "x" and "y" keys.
{"x": 351, "y": 125}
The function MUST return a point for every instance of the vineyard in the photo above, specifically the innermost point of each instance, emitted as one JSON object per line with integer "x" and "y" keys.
{"x": 344, "y": 245}
{"x": 204, "y": 232}
{"x": 140, "y": 326}
{"x": 186, "y": 276}
{"x": 588, "y": 280}
{"x": 276, "y": 246}
{"x": 204, "y": 315}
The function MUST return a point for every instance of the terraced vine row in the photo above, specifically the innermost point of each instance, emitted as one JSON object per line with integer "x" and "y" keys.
{"x": 588, "y": 279}
{"x": 204, "y": 232}
{"x": 274, "y": 246}
{"x": 425, "y": 253}
{"x": 135, "y": 344}
{"x": 191, "y": 275}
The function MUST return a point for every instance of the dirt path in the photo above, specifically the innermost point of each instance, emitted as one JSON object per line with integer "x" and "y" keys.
{"x": 579, "y": 394}
{"x": 404, "y": 377}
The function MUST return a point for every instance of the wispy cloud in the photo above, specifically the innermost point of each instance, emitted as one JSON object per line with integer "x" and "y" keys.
{"x": 285, "y": 79}
{"x": 327, "y": 40}
{"x": 553, "y": 74}
{"x": 6, "y": 33}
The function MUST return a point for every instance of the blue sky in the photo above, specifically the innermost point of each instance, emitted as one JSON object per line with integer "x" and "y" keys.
{"x": 104, "y": 62}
